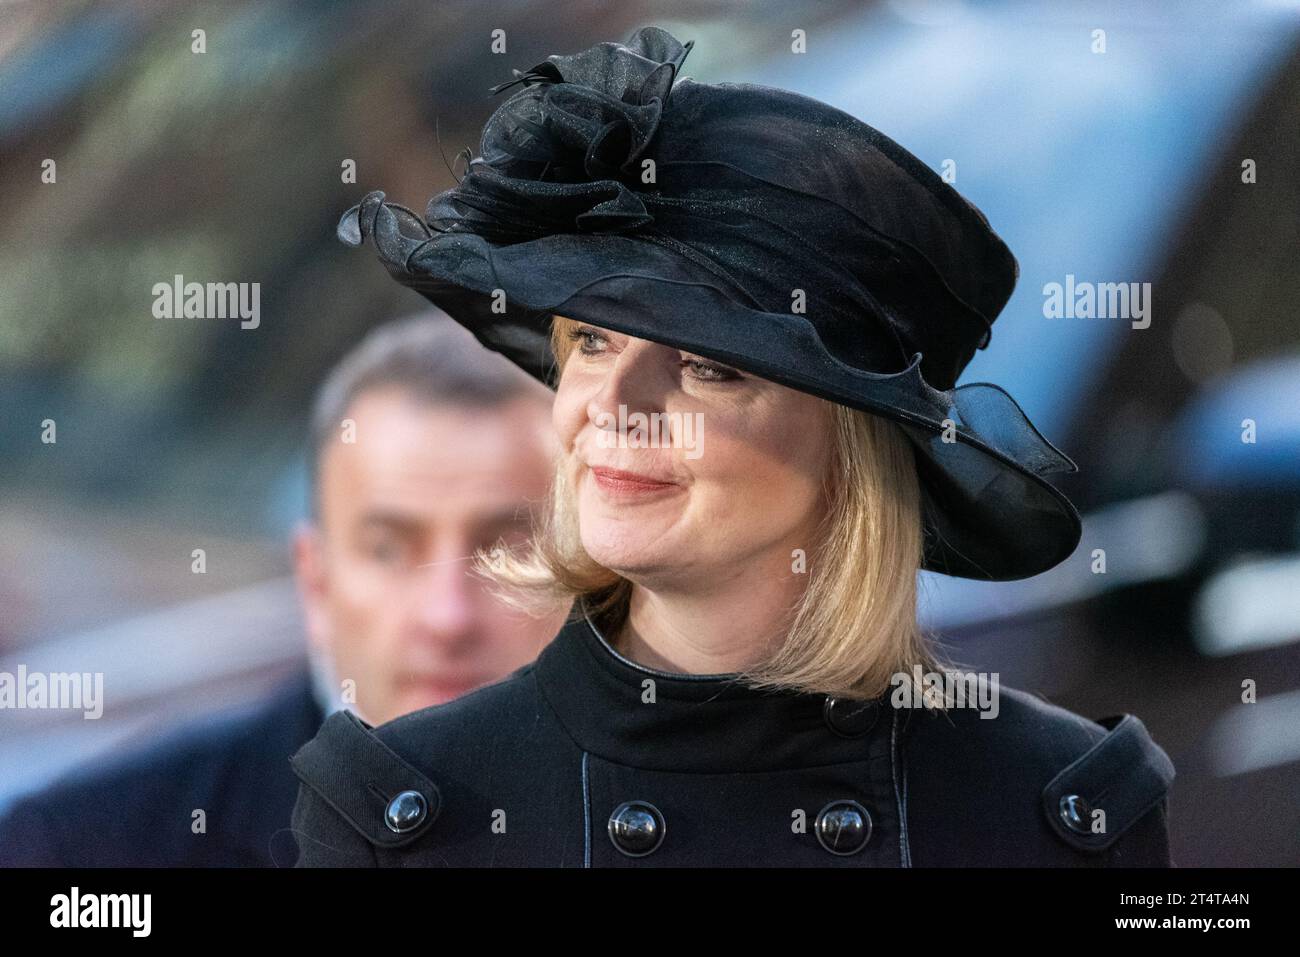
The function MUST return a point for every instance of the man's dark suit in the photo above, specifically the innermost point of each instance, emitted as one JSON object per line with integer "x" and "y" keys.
{"x": 139, "y": 810}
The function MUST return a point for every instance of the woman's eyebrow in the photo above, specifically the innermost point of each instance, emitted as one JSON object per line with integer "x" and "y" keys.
{"x": 696, "y": 355}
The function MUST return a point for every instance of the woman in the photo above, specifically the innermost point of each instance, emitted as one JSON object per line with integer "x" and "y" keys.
{"x": 753, "y": 308}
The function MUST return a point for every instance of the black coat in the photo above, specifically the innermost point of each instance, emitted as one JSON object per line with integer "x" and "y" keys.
{"x": 539, "y": 769}
{"x": 136, "y": 812}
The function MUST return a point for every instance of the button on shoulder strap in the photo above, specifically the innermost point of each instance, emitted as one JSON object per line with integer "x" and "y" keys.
{"x": 1123, "y": 776}
{"x": 367, "y": 782}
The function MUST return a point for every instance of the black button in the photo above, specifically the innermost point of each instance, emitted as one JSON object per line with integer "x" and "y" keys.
{"x": 1076, "y": 814}
{"x": 850, "y": 717}
{"x": 636, "y": 828}
{"x": 406, "y": 811}
{"x": 843, "y": 827}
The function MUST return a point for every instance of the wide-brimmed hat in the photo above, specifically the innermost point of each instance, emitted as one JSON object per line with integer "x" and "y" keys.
{"x": 757, "y": 227}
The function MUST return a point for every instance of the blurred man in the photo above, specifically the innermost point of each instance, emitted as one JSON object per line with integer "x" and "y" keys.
{"x": 422, "y": 458}
{"x": 424, "y": 446}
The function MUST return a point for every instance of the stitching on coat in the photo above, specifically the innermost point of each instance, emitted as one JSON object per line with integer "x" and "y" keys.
{"x": 676, "y": 675}
{"x": 586, "y": 815}
{"x": 900, "y": 798}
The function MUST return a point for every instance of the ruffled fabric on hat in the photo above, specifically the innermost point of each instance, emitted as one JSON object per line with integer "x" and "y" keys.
{"x": 767, "y": 189}
{"x": 563, "y": 155}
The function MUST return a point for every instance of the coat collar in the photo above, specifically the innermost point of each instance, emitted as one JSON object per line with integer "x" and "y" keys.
{"x": 628, "y": 713}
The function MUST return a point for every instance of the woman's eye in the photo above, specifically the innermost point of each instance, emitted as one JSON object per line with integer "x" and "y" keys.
{"x": 709, "y": 371}
{"x": 589, "y": 340}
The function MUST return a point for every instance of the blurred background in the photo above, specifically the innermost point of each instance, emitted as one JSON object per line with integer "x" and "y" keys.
{"x": 1171, "y": 158}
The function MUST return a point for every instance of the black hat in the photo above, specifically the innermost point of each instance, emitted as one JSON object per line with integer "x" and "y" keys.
{"x": 759, "y": 228}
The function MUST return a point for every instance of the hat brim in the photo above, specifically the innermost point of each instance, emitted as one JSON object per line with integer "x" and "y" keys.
{"x": 988, "y": 513}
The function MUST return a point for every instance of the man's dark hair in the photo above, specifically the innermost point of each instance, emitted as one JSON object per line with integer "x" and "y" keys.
{"x": 428, "y": 356}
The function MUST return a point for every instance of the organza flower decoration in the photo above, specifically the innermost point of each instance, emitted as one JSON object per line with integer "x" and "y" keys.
{"x": 564, "y": 154}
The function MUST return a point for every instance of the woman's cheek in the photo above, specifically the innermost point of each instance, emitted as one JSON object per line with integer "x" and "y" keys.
{"x": 778, "y": 479}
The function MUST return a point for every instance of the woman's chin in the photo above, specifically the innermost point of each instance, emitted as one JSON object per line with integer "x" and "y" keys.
{"x": 629, "y": 557}
{"x": 629, "y": 564}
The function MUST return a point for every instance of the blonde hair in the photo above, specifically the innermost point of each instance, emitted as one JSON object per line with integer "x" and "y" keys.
{"x": 855, "y": 626}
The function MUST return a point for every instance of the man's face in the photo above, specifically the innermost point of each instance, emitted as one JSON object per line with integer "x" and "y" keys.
{"x": 385, "y": 576}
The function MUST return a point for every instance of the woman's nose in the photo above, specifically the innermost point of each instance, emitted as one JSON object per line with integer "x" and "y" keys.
{"x": 636, "y": 381}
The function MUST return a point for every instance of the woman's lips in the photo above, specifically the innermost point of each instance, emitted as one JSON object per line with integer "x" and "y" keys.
{"x": 621, "y": 484}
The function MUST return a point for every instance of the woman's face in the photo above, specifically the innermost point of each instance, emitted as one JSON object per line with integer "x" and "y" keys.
{"x": 686, "y": 469}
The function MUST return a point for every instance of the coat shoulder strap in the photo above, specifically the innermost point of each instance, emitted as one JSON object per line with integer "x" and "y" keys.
{"x": 1103, "y": 793}
{"x": 375, "y": 790}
